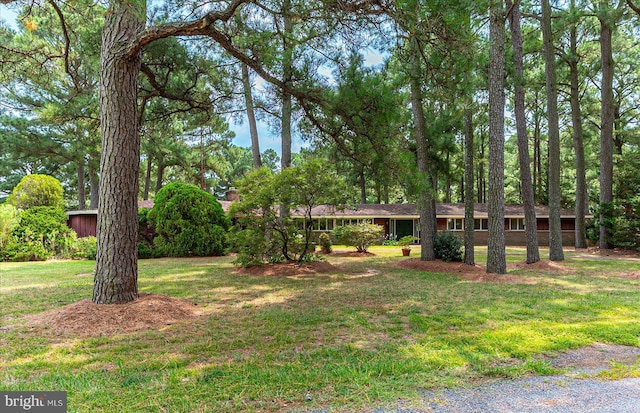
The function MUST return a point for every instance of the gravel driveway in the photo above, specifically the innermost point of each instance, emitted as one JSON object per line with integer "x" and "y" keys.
{"x": 567, "y": 393}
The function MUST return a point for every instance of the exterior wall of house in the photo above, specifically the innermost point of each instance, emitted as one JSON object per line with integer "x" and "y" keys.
{"x": 84, "y": 225}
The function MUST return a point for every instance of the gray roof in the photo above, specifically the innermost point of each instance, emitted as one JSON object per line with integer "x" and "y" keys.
{"x": 393, "y": 211}
{"x": 442, "y": 211}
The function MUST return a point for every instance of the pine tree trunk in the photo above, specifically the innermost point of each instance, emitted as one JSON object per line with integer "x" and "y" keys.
{"x": 578, "y": 142}
{"x": 555, "y": 230}
{"x": 606, "y": 131}
{"x": 116, "y": 272}
{"x": 82, "y": 199}
{"x": 287, "y": 67}
{"x": 363, "y": 185}
{"x": 530, "y": 226}
{"x": 94, "y": 188}
{"x": 160, "y": 174}
{"x": 425, "y": 197}
{"x": 469, "y": 204}
{"x": 147, "y": 179}
{"x": 251, "y": 115}
{"x": 496, "y": 257}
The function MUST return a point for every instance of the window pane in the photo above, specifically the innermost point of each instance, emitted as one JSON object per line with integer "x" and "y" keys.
{"x": 459, "y": 223}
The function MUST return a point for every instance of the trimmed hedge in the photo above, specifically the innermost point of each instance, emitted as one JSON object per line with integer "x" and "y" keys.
{"x": 188, "y": 222}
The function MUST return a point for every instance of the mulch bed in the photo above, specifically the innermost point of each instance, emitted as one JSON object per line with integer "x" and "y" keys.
{"x": 475, "y": 273}
{"x": 86, "y": 319}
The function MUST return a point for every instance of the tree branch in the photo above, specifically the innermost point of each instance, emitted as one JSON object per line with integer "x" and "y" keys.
{"x": 191, "y": 28}
{"x": 67, "y": 45}
{"x": 633, "y": 7}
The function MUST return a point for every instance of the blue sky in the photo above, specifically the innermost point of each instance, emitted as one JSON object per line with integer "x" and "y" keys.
{"x": 243, "y": 138}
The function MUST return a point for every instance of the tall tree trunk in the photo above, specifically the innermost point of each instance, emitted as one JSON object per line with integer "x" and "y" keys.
{"x": 94, "y": 188}
{"x": 537, "y": 156}
{"x": 469, "y": 204}
{"x": 363, "y": 185}
{"x": 555, "y": 230}
{"x": 251, "y": 115}
{"x": 578, "y": 142}
{"x": 496, "y": 257}
{"x": 530, "y": 224}
{"x": 147, "y": 179}
{"x": 287, "y": 67}
{"x": 160, "y": 174}
{"x": 425, "y": 197}
{"x": 447, "y": 184}
{"x": 606, "y": 131}
{"x": 116, "y": 274}
{"x": 82, "y": 199}
{"x": 482, "y": 185}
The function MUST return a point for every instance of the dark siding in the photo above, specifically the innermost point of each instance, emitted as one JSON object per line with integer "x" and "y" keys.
{"x": 84, "y": 225}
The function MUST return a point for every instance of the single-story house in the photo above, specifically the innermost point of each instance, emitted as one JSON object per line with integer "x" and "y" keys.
{"x": 397, "y": 220}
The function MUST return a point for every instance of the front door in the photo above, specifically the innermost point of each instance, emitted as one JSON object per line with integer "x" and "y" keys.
{"x": 384, "y": 223}
{"x": 404, "y": 227}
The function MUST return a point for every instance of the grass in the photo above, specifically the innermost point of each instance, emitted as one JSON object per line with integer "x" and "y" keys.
{"x": 346, "y": 340}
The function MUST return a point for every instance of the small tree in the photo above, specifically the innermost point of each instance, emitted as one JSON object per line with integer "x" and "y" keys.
{"x": 37, "y": 190}
{"x": 261, "y": 234}
{"x": 361, "y": 236}
{"x": 188, "y": 221}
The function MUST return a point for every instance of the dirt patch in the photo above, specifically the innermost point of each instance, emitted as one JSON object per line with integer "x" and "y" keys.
{"x": 355, "y": 254}
{"x": 595, "y": 358}
{"x": 542, "y": 265}
{"x": 475, "y": 273}
{"x": 288, "y": 269}
{"x": 86, "y": 319}
{"x": 635, "y": 275}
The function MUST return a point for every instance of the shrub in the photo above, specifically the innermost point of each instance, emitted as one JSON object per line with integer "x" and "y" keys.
{"x": 406, "y": 240}
{"x": 47, "y": 225}
{"x": 447, "y": 246}
{"x": 31, "y": 250}
{"x": 9, "y": 220}
{"x": 147, "y": 250}
{"x": 37, "y": 190}
{"x": 361, "y": 236}
{"x": 325, "y": 243}
{"x": 87, "y": 248}
{"x": 188, "y": 221}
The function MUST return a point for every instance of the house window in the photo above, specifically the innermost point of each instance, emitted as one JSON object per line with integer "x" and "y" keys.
{"x": 454, "y": 224}
{"x": 481, "y": 224}
{"x": 516, "y": 224}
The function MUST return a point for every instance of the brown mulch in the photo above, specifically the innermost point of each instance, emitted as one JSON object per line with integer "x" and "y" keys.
{"x": 475, "y": 273}
{"x": 542, "y": 265}
{"x": 288, "y": 269}
{"x": 635, "y": 275}
{"x": 86, "y": 319}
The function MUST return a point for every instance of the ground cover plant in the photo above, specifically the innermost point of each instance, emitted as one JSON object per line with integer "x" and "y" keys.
{"x": 366, "y": 332}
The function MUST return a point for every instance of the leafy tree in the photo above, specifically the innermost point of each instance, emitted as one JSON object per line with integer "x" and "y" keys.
{"x": 361, "y": 236}
{"x": 261, "y": 234}
{"x": 37, "y": 190}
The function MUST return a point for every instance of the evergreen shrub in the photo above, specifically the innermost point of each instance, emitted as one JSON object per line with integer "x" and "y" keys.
{"x": 37, "y": 190}
{"x": 188, "y": 222}
{"x": 447, "y": 246}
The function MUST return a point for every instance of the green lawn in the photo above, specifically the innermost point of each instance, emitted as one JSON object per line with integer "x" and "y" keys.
{"x": 366, "y": 335}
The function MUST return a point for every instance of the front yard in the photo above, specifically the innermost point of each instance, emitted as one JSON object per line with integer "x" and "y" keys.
{"x": 365, "y": 333}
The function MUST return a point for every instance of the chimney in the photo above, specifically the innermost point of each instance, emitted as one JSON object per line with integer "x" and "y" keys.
{"x": 232, "y": 195}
